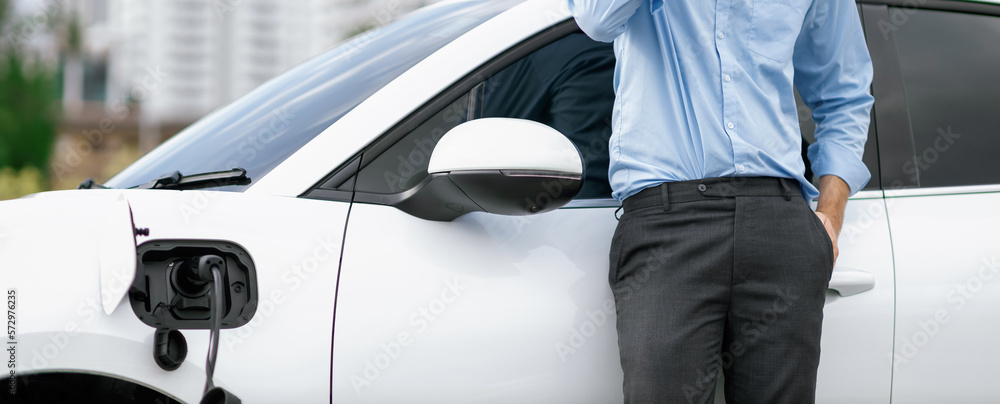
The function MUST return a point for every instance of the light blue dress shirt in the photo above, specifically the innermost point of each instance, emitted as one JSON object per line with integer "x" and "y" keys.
{"x": 704, "y": 88}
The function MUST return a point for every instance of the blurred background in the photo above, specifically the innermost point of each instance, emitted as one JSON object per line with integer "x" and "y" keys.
{"x": 88, "y": 86}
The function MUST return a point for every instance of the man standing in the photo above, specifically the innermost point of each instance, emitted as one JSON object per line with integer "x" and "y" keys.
{"x": 716, "y": 261}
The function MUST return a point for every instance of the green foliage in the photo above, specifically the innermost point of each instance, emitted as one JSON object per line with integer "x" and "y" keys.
{"x": 18, "y": 183}
{"x": 74, "y": 35}
{"x": 28, "y": 114}
{"x": 3, "y": 11}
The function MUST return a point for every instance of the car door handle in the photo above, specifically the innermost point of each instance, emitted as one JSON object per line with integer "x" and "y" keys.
{"x": 848, "y": 282}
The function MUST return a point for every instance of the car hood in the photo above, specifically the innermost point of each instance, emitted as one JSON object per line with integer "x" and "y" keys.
{"x": 69, "y": 243}
{"x": 69, "y": 259}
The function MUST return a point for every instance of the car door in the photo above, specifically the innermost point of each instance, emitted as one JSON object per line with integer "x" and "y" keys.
{"x": 939, "y": 150}
{"x": 490, "y": 308}
{"x": 485, "y": 308}
{"x": 294, "y": 244}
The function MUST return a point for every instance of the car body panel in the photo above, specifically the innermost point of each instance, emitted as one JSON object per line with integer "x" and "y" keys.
{"x": 294, "y": 243}
{"x": 403, "y": 270}
{"x": 947, "y": 254}
{"x": 485, "y": 308}
{"x": 858, "y": 329}
{"x": 52, "y": 254}
{"x": 444, "y": 297}
{"x": 295, "y": 246}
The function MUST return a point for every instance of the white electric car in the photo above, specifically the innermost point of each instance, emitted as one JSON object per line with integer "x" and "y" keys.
{"x": 420, "y": 215}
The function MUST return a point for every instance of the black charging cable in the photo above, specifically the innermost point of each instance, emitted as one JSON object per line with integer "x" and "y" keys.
{"x": 216, "y": 316}
{"x": 199, "y": 271}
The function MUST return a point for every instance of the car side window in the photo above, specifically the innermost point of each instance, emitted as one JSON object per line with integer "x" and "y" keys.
{"x": 947, "y": 60}
{"x": 566, "y": 84}
{"x": 404, "y": 164}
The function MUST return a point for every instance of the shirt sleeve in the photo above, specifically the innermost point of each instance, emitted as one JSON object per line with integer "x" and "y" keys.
{"x": 603, "y": 20}
{"x": 833, "y": 73}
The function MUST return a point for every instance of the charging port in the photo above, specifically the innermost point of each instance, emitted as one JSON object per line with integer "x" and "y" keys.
{"x": 168, "y": 294}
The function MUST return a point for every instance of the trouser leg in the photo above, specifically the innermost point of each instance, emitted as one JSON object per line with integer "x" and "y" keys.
{"x": 734, "y": 282}
{"x": 783, "y": 261}
{"x": 671, "y": 273}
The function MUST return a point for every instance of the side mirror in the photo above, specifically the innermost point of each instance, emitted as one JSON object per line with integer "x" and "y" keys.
{"x": 497, "y": 165}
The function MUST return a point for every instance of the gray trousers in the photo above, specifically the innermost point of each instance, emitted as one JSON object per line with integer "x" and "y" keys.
{"x": 726, "y": 273}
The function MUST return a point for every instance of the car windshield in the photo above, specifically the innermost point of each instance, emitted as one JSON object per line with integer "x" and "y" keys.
{"x": 260, "y": 130}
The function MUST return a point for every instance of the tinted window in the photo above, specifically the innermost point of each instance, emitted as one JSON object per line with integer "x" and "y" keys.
{"x": 404, "y": 164}
{"x": 566, "y": 85}
{"x": 949, "y": 61}
{"x": 264, "y": 127}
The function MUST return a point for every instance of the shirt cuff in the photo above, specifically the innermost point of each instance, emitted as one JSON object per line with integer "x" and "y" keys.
{"x": 832, "y": 159}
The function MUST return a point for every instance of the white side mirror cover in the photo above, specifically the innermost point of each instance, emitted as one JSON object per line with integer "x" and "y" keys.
{"x": 505, "y": 144}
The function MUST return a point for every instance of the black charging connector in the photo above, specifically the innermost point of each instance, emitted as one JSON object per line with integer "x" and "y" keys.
{"x": 193, "y": 284}
{"x": 199, "y": 279}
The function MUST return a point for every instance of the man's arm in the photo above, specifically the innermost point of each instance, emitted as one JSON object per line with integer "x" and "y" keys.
{"x": 833, "y": 73}
{"x": 603, "y": 20}
{"x": 833, "y": 193}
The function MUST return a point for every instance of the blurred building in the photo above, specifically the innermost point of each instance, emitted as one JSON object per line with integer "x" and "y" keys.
{"x": 201, "y": 54}
{"x": 180, "y": 59}
{"x": 135, "y": 72}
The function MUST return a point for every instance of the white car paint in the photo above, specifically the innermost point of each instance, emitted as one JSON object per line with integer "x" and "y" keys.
{"x": 523, "y": 272}
{"x": 63, "y": 326}
{"x": 117, "y": 250}
{"x": 485, "y": 308}
{"x": 858, "y": 329}
{"x": 499, "y": 143}
{"x": 948, "y": 299}
{"x": 288, "y": 340}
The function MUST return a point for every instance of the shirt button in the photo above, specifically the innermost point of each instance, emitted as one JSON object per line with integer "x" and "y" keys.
{"x": 727, "y": 77}
{"x": 742, "y": 168}
{"x": 730, "y": 125}
{"x": 721, "y": 35}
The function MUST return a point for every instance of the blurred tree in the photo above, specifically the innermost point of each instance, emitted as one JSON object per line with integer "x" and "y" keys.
{"x": 28, "y": 114}
{"x": 29, "y": 109}
{"x": 70, "y": 32}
